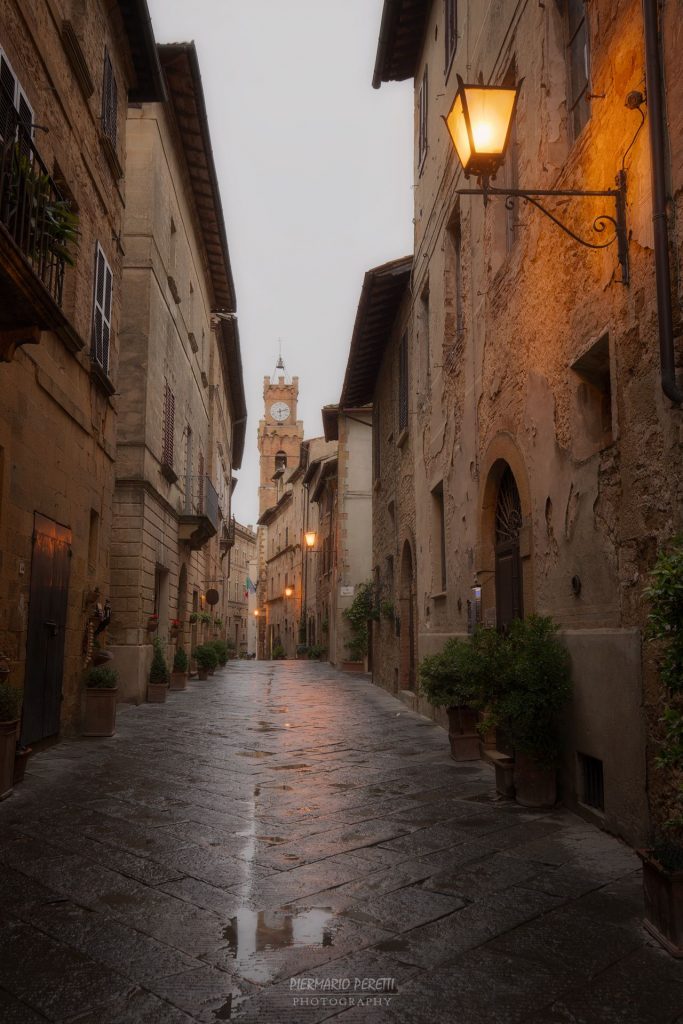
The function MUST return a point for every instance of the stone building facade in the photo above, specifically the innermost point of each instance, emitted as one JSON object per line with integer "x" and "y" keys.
{"x": 182, "y": 408}
{"x": 345, "y": 500}
{"x": 286, "y": 564}
{"x": 67, "y": 71}
{"x": 376, "y": 375}
{"x": 547, "y": 458}
{"x": 238, "y": 593}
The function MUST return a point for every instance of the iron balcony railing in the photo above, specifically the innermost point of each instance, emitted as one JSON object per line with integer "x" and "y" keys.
{"x": 31, "y": 207}
{"x": 201, "y": 499}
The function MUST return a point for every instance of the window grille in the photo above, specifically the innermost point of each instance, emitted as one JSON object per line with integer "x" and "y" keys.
{"x": 168, "y": 429}
{"x": 593, "y": 785}
{"x": 109, "y": 100}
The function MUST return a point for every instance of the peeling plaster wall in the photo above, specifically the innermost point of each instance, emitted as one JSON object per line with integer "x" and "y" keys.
{"x": 597, "y": 502}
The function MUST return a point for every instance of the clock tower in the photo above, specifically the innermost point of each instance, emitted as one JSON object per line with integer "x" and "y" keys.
{"x": 279, "y": 434}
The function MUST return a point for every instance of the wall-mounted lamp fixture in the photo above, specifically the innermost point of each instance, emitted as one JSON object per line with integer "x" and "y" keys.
{"x": 310, "y": 537}
{"x": 479, "y": 124}
{"x": 289, "y": 591}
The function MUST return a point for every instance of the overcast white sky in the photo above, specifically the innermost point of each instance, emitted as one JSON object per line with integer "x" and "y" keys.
{"x": 315, "y": 170}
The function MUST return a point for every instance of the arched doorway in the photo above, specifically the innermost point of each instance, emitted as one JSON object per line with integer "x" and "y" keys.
{"x": 407, "y": 672}
{"x": 508, "y": 566}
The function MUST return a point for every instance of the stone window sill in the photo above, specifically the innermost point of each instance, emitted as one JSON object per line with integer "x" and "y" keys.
{"x": 402, "y": 438}
{"x": 101, "y": 379}
{"x": 441, "y": 595}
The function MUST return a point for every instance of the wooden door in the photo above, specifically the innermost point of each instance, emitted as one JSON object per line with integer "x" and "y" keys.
{"x": 47, "y": 610}
{"x": 508, "y": 562}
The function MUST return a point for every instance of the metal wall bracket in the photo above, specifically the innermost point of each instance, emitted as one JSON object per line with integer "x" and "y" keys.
{"x": 531, "y": 195}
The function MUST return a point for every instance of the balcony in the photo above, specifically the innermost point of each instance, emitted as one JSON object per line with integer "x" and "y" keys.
{"x": 227, "y": 540}
{"x": 37, "y": 228}
{"x": 199, "y": 519}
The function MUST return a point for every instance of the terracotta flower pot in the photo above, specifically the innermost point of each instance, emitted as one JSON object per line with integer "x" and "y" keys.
{"x": 100, "y": 711}
{"x": 178, "y": 680}
{"x": 462, "y": 734}
{"x": 535, "y": 783}
{"x": 156, "y": 693}
{"x": 663, "y": 892}
{"x": 8, "y": 744}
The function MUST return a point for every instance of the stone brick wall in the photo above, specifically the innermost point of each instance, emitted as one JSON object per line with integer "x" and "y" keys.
{"x": 57, "y": 424}
{"x": 598, "y": 472}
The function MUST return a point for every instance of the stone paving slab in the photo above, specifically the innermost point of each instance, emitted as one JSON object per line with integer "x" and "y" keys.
{"x": 283, "y": 829}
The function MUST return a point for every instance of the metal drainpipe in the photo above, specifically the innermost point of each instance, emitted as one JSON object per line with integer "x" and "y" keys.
{"x": 653, "y": 73}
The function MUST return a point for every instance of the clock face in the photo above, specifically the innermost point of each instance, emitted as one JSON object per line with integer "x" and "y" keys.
{"x": 279, "y": 411}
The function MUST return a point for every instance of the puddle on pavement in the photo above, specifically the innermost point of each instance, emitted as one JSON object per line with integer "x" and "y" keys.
{"x": 289, "y": 767}
{"x": 255, "y": 753}
{"x": 252, "y": 936}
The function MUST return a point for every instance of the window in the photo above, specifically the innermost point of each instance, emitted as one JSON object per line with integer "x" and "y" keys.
{"x": 168, "y": 427}
{"x": 423, "y": 336}
{"x": 422, "y": 122}
{"x": 403, "y": 384}
{"x": 109, "y": 100}
{"x": 440, "y": 534}
{"x": 451, "y": 31}
{"x": 578, "y": 64}
{"x": 93, "y": 540}
{"x": 101, "y": 328}
{"x": 594, "y": 395}
{"x": 14, "y": 104}
{"x": 455, "y": 309}
{"x": 376, "y": 443}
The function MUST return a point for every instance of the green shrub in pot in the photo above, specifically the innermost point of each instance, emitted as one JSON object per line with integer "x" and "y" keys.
{"x": 101, "y": 677}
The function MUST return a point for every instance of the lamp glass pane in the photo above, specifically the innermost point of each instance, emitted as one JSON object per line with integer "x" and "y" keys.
{"x": 457, "y": 127}
{"x": 490, "y": 111}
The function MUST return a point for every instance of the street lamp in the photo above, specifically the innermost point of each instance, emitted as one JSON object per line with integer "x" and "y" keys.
{"x": 289, "y": 591}
{"x": 479, "y": 125}
{"x": 310, "y": 537}
{"x": 256, "y": 613}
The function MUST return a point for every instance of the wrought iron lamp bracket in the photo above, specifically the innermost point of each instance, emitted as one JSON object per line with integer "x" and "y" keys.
{"x": 531, "y": 195}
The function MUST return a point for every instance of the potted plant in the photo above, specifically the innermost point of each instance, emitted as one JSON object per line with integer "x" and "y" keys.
{"x": 206, "y": 659}
{"x": 174, "y": 628}
{"x": 157, "y": 684}
{"x": 10, "y": 703}
{"x": 101, "y": 691}
{"x": 279, "y": 653}
{"x": 663, "y": 861}
{"x": 180, "y": 669}
{"x": 153, "y": 623}
{"x": 362, "y": 609}
{"x": 317, "y": 652}
{"x": 525, "y": 700}
{"x": 455, "y": 679}
{"x": 222, "y": 651}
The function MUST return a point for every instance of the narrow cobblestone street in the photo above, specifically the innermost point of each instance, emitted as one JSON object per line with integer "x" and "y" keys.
{"x": 283, "y": 824}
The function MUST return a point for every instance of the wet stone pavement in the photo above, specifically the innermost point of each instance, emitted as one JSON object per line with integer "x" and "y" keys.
{"x": 284, "y": 843}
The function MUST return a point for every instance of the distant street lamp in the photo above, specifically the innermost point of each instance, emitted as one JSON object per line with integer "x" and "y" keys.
{"x": 289, "y": 591}
{"x": 310, "y": 537}
{"x": 256, "y": 613}
{"x": 479, "y": 124}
